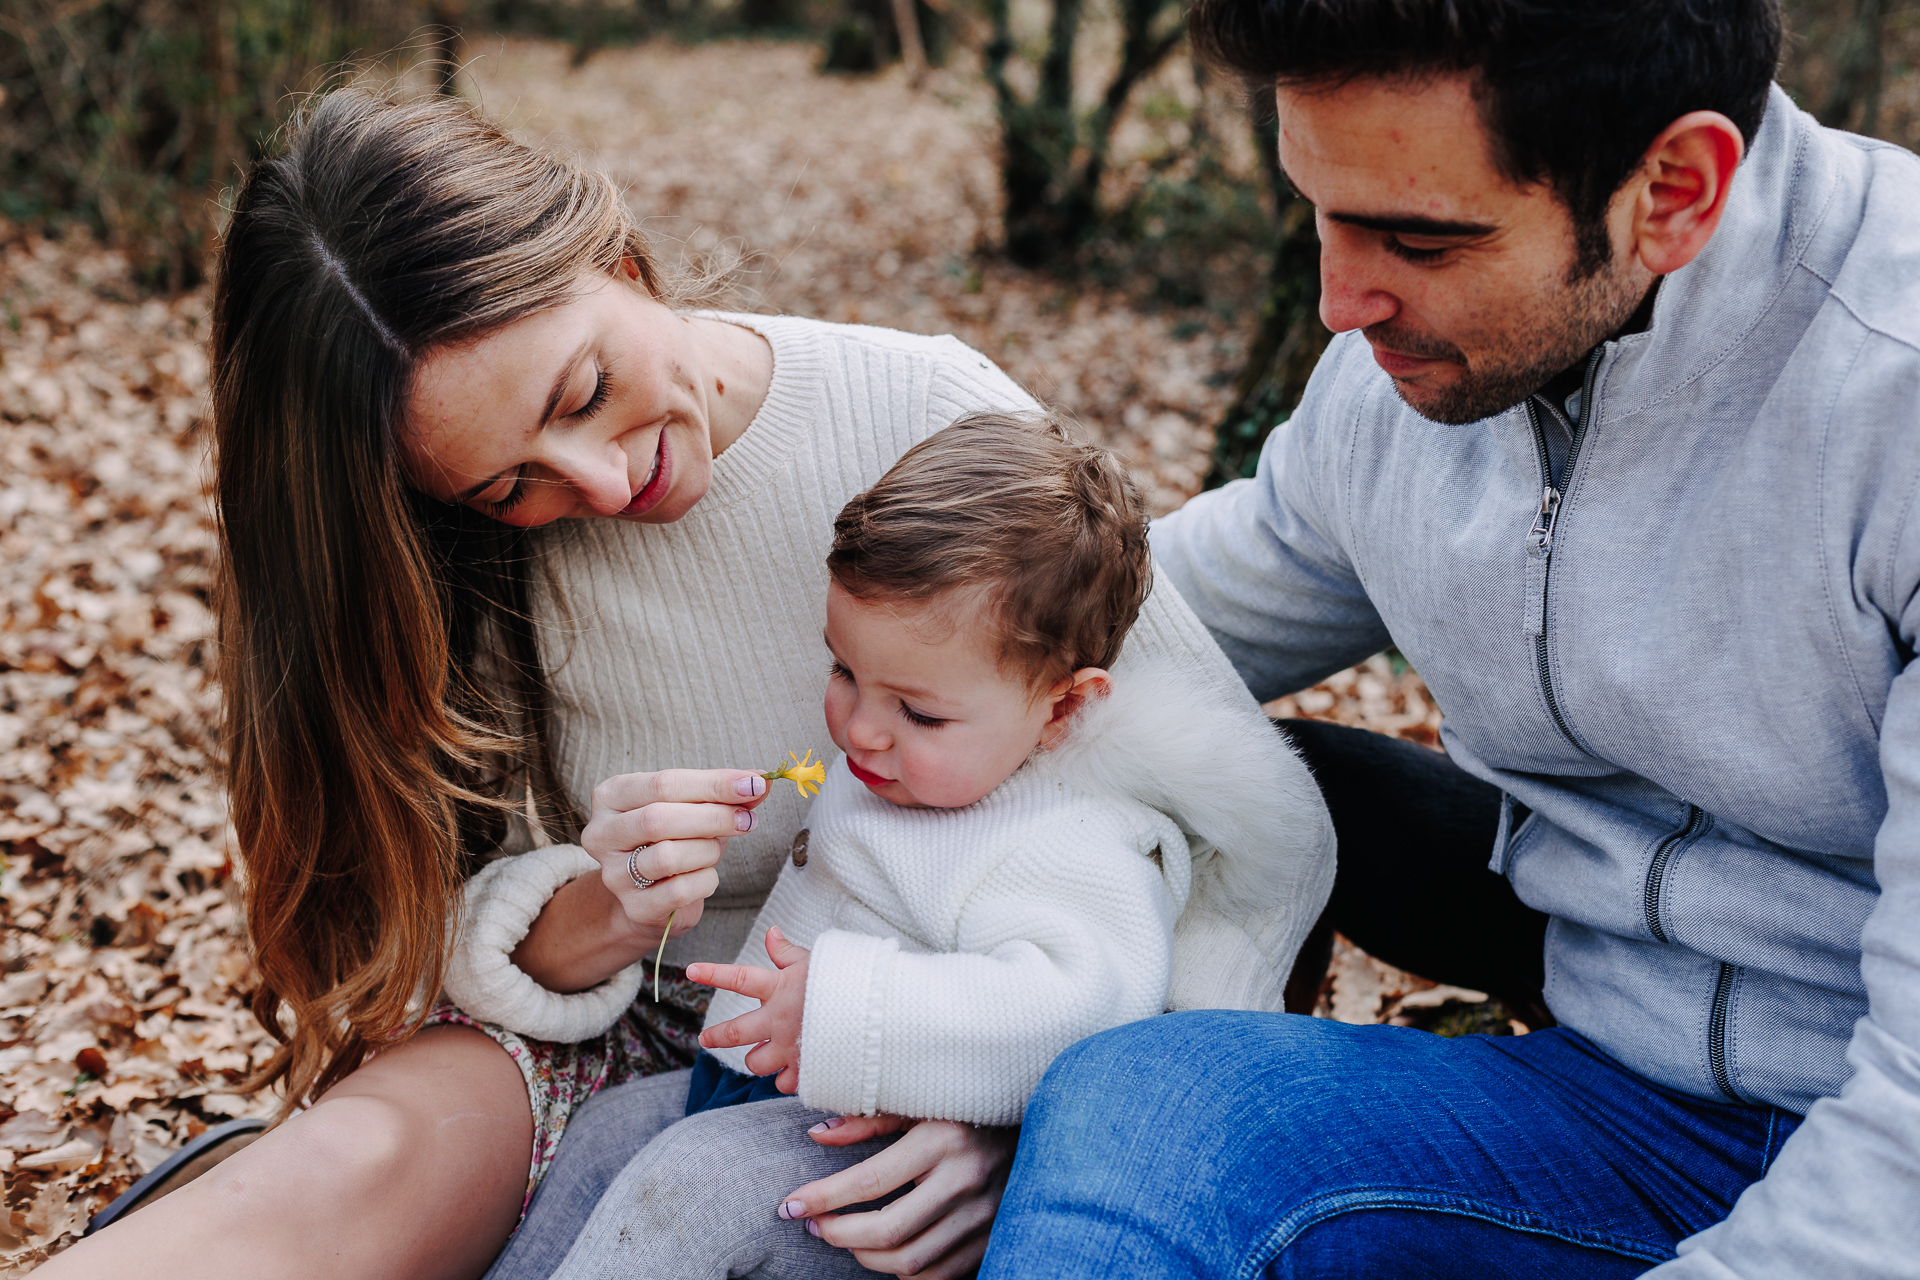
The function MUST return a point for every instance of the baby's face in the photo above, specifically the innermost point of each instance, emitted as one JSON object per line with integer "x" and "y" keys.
{"x": 918, "y": 703}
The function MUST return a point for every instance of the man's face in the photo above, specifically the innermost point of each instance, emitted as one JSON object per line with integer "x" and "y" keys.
{"x": 1462, "y": 281}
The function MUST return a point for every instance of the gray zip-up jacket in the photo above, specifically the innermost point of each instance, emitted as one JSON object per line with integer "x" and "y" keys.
{"x": 1688, "y": 655}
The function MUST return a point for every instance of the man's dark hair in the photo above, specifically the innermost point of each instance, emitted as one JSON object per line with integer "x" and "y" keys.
{"x": 1572, "y": 91}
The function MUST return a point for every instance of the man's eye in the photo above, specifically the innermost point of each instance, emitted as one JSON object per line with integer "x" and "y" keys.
{"x": 1409, "y": 253}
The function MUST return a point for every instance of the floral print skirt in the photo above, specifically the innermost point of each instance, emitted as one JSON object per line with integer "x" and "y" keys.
{"x": 648, "y": 1039}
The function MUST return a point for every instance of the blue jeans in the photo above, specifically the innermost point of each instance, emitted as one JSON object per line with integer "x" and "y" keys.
{"x": 1269, "y": 1145}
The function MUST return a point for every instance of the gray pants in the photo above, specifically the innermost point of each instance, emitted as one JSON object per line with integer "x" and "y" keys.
{"x": 638, "y": 1193}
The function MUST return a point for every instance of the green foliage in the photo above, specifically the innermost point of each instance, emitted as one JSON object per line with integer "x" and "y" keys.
{"x": 1192, "y": 232}
{"x": 131, "y": 115}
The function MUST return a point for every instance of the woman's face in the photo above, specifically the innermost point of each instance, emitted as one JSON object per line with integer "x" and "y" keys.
{"x": 595, "y": 407}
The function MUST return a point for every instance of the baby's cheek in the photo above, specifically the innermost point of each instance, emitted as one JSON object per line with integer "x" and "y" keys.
{"x": 838, "y": 706}
{"x": 951, "y": 779}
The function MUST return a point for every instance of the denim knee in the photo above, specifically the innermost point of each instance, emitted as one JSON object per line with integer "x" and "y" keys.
{"x": 1448, "y": 1244}
{"x": 1135, "y": 1063}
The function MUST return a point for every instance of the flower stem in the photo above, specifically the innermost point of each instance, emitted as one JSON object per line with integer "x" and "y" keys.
{"x": 662, "y": 953}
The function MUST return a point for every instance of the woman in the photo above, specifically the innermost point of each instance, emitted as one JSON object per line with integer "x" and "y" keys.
{"x": 431, "y": 342}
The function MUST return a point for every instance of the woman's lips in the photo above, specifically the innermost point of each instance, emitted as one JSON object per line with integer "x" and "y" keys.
{"x": 657, "y": 484}
{"x": 871, "y": 779}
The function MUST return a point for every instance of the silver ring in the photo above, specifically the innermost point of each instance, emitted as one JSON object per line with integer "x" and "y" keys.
{"x": 633, "y": 869}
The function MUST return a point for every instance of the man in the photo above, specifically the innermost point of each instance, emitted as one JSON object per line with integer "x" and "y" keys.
{"x": 1617, "y": 444}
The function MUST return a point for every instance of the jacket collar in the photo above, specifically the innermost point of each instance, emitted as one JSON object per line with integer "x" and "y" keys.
{"x": 1776, "y": 221}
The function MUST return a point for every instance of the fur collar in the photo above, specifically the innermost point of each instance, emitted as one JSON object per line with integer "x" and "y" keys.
{"x": 1170, "y": 736}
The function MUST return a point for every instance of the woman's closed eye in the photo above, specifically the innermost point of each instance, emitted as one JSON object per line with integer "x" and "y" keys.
{"x": 602, "y": 388}
{"x": 498, "y": 510}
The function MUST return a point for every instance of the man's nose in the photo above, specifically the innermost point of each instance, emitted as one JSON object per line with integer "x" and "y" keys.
{"x": 1352, "y": 295}
{"x": 597, "y": 473}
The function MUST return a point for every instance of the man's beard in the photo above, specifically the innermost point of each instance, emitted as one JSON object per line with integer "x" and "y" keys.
{"x": 1548, "y": 334}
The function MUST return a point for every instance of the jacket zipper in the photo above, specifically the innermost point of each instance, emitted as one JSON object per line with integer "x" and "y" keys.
{"x": 1657, "y": 869}
{"x": 1548, "y": 517}
{"x": 1717, "y": 1031}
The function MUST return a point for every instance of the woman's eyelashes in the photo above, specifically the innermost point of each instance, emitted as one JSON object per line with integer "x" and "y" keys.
{"x": 602, "y": 387}
{"x": 498, "y": 510}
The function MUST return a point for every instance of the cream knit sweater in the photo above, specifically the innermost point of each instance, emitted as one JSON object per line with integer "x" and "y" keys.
{"x": 697, "y": 644}
{"x": 956, "y": 952}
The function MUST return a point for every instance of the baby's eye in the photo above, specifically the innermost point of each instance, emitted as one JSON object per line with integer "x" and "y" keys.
{"x": 924, "y": 721}
{"x": 838, "y": 671}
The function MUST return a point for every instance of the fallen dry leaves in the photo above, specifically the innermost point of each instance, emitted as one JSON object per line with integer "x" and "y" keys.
{"x": 123, "y": 969}
{"x": 865, "y": 201}
{"x": 122, "y": 1031}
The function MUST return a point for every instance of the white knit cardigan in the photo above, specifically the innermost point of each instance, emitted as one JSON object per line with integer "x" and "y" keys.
{"x": 956, "y": 952}
{"x": 697, "y": 644}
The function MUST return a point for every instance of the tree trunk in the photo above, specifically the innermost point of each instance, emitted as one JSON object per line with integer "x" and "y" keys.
{"x": 1289, "y": 339}
{"x": 913, "y": 51}
{"x": 1050, "y": 166}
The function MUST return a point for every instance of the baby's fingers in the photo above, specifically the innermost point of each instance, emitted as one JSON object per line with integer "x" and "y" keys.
{"x": 775, "y": 1059}
{"x": 748, "y": 1028}
{"x": 748, "y": 980}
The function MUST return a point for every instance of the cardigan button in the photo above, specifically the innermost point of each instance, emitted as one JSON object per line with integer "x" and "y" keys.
{"x": 800, "y": 847}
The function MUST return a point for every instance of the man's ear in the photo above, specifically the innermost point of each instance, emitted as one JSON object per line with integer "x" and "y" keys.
{"x": 1680, "y": 190}
{"x": 1069, "y": 696}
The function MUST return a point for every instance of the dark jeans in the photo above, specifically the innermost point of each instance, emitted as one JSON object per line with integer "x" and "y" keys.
{"x": 1282, "y": 1147}
{"x": 1413, "y": 888}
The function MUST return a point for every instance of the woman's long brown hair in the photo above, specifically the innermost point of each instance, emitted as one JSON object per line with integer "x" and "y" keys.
{"x": 385, "y": 705}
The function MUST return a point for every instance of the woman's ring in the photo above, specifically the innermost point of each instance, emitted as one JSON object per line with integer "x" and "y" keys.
{"x": 633, "y": 869}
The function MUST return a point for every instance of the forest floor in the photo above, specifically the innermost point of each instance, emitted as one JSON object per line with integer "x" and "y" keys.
{"x": 124, "y": 974}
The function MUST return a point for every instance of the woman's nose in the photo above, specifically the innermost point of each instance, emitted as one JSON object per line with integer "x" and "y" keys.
{"x": 1351, "y": 297}
{"x": 597, "y": 473}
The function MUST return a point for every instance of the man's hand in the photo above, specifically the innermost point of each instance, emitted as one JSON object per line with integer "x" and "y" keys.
{"x": 775, "y": 1025}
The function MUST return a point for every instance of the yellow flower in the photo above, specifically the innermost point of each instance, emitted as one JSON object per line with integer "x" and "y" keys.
{"x": 803, "y": 772}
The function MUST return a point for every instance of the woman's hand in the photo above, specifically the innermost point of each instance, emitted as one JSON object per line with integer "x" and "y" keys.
{"x": 674, "y": 825}
{"x": 775, "y": 1026}
{"x": 937, "y": 1230}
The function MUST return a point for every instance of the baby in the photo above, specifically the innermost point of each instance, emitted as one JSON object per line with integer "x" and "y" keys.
{"x": 1026, "y": 839}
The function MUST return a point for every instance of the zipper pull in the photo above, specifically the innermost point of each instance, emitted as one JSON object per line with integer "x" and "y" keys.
{"x": 1541, "y": 535}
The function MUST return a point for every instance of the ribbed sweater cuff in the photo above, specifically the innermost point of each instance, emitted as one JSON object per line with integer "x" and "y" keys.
{"x": 498, "y": 906}
{"x": 840, "y": 1033}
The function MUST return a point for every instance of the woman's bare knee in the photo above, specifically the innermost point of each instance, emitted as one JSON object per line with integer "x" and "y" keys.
{"x": 414, "y": 1166}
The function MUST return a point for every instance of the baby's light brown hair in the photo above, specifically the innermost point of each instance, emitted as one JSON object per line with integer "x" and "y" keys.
{"x": 1050, "y": 526}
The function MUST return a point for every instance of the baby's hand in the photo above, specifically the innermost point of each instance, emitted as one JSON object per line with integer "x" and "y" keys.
{"x": 775, "y": 1026}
